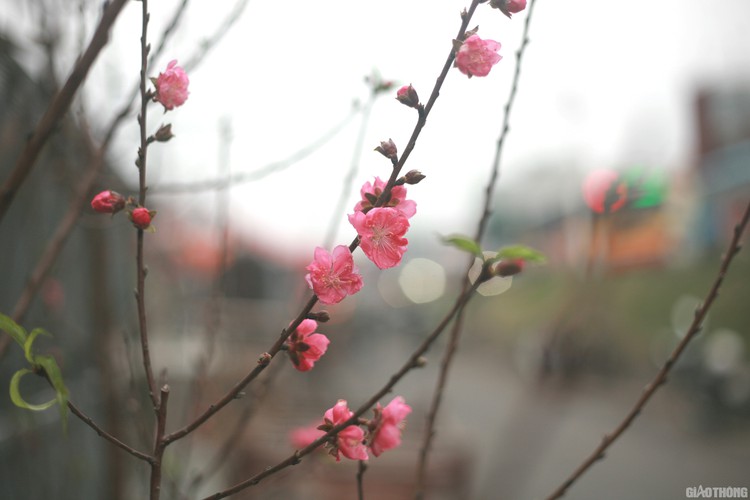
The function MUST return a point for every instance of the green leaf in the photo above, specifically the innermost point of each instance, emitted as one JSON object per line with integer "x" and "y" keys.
{"x": 15, "y": 395}
{"x": 55, "y": 377}
{"x": 521, "y": 252}
{"x": 30, "y": 340}
{"x": 13, "y": 329}
{"x": 464, "y": 243}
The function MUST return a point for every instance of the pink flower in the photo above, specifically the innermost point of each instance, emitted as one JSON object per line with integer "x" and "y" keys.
{"x": 141, "y": 217}
{"x": 305, "y": 346}
{"x": 604, "y": 191}
{"x": 349, "y": 441}
{"x": 387, "y": 425}
{"x": 476, "y": 56}
{"x": 370, "y": 193}
{"x": 333, "y": 276}
{"x": 108, "y": 202}
{"x": 301, "y": 437}
{"x": 381, "y": 232}
{"x": 172, "y": 86}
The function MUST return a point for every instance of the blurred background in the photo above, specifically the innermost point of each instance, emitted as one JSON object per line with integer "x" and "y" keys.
{"x": 280, "y": 98}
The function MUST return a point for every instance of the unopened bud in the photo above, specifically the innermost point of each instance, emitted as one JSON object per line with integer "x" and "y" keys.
{"x": 264, "y": 359}
{"x": 388, "y": 149}
{"x": 407, "y": 96}
{"x": 508, "y": 7}
{"x": 108, "y": 202}
{"x": 141, "y": 218}
{"x": 509, "y": 267}
{"x": 320, "y": 317}
{"x": 164, "y": 133}
{"x": 413, "y": 177}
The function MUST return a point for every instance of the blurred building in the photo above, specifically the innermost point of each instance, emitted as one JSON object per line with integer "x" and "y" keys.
{"x": 722, "y": 163}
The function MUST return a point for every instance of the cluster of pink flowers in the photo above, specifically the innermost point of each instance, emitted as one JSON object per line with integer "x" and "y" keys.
{"x": 171, "y": 86}
{"x": 333, "y": 276}
{"x": 381, "y": 433}
{"x": 381, "y": 229}
{"x": 305, "y": 346}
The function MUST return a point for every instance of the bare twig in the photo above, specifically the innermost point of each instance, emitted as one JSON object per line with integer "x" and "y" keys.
{"x": 209, "y": 43}
{"x": 242, "y": 177}
{"x": 661, "y": 375}
{"x": 361, "y": 468}
{"x": 88, "y": 421}
{"x": 159, "y": 444}
{"x": 58, "y": 107}
{"x": 452, "y": 346}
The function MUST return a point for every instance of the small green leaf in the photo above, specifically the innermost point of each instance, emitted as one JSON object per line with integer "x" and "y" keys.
{"x": 30, "y": 340}
{"x": 55, "y": 377}
{"x": 13, "y": 329}
{"x": 464, "y": 243}
{"x": 522, "y": 252}
{"x": 15, "y": 395}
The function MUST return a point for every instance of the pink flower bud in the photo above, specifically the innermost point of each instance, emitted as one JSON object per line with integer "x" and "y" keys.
{"x": 408, "y": 96}
{"x": 508, "y": 7}
{"x": 172, "y": 86}
{"x": 108, "y": 202}
{"x": 476, "y": 57}
{"x": 388, "y": 149}
{"x": 141, "y": 217}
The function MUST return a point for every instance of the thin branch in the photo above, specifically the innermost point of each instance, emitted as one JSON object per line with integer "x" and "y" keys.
{"x": 109, "y": 437}
{"x": 661, "y": 375}
{"x": 141, "y": 163}
{"x": 456, "y": 331}
{"x": 269, "y": 169}
{"x": 206, "y": 45}
{"x": 361, "y": 468}
{"x": 58, "y": 107}
{"x": 159, "y": 444}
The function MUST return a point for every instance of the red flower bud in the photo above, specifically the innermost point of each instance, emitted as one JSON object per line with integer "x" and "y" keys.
{"x": 141, "y": 217}
{"x": 509, "y": 267}
{"x": 108, "y": 202}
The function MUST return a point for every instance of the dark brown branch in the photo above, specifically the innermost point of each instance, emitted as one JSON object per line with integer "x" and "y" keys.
{"x": 58, "y": 107}
{"x": 661, "y": 375}
{"x": 88, "y": 421}
{"x": 141, "y": 163}
{"x": 159, "y": 444}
